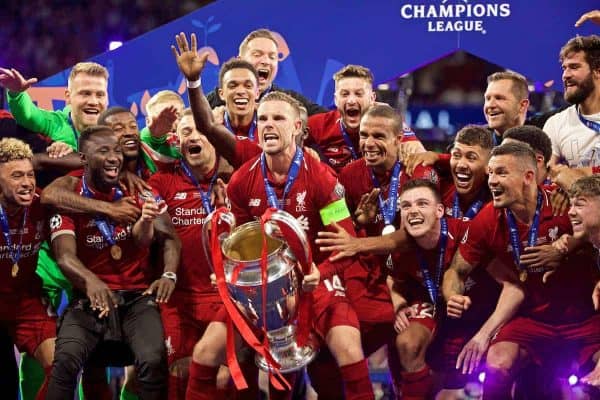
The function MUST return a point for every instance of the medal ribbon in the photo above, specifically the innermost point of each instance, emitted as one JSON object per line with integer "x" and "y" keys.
{"x": 389, "y": 212}
{"x": 471, "y": 212}
{"x": 15, "y": 255}
{"x": 531, "y": 236}
{"x": 106, "y": 228}
{"x": 593, "y": 125}
{"x": 347, "y": 140}
{"x": 205, "y": 196}
{"x": 434, "y": 287}
{"x": 291, "y": 177}
{"x": 250, "y": 131}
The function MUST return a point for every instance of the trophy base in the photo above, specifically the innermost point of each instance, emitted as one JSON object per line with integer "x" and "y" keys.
{"x": 286, "y": 352}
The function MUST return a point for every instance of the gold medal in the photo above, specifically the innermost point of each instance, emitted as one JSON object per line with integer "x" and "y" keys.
{"x": 388, "y": 229}
{"x": 15, "y": 270}
{"x": 523, "y": 275}
{"x": 115, "y": 252}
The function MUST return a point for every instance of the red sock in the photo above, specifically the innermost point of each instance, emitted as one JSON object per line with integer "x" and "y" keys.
{"x": 177, "y": 387}
{"x": 496, "y": 386}
{"x": 416, "y": 385}
{"x": 41, "y": 394}
{"x": 202, "y": 384}
{"x": 357, "y": 383}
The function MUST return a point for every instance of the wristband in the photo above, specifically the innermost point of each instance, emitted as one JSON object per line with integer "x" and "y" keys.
{"x": 170, "y": 275}
{"x": 193, "y": 84}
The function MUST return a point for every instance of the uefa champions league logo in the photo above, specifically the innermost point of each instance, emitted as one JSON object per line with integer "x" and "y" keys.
{"x": 455, "y": 15}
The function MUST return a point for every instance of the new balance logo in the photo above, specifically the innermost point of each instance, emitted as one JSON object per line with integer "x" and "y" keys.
{"x": 254, "y": 203}
{"x": 180, "y": 196}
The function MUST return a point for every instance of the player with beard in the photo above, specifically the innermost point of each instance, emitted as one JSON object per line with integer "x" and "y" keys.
{"x": 189, "y": 190}
{"x": 556, "y": 310}
{"x": 24, "y": 316}
{"x": 335, "y": 133}
{"x": 259, "y": 48}
{"x": 109, "y": 305}
{"x": 335, "y": 321}
{"x": 574, "y": 131}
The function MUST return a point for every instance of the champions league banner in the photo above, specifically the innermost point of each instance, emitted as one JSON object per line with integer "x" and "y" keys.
{"x": 316, "y": 38}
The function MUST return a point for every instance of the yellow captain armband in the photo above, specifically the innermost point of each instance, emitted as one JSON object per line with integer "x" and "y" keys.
{"x": 334, "y": 212}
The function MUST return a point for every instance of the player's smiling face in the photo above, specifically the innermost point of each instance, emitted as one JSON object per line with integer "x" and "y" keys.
{"x": 506, "y": 180}
{"x": 128, "y": 134}
{"x": 88, "y": 97}
{"x": 262, "y": 53}
{"x": 584, "y": 214}
{"x": 239, "y": 91}
{"x": 468, "y": 164}
{"x": 17, "y": 183}
{"x": 501, "y": 106}
{"x": 104, "y": 159}
{"x": 420, "y": 211}
{"x": 353, "y": 97}
{"x": 378, "y": 142}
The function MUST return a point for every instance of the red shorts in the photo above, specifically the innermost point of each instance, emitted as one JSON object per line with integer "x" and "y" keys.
{"x": 330, "y": 291}
{"x": 184, "y": 325}
{"x": 28, "y": 321}
{"x": 374, "y": 335}
{"x": 543, "y": 340}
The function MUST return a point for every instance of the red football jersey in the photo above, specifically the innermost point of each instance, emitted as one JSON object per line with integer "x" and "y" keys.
{"x": 356, "y": 178}
{"x": 33, "y": 233}
{"x": 406, "y": 266}
{"x": 245, "y": 149}
{"x": 566, "y": 296}
{"x": 315, "y": 187}
{"x": 448, "y": 190}
{"x": 131, "y": 272}
{"x": 188, "y": 215}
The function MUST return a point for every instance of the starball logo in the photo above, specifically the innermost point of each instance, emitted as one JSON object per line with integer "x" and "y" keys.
{"x": 455, "y": 15}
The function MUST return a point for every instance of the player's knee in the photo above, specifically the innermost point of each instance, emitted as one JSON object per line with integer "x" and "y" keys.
{"x": 207, "y": 353}
{"x": 151, "y": 365}
{"x": 408, "y": 348}
{"x": 345, "y": 346}
{"x": 66, "y": 366}
{"x": 499, "y": 360}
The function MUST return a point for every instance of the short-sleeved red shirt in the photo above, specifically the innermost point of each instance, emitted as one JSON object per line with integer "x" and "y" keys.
{"x": 188, "y": 216}
{"x": 406, "y": 266}
{"x": 33, "y": 233}
{"x": 566, "y": 297}
{"x": 315, "y": 187}
{"x": 131, "y": 272}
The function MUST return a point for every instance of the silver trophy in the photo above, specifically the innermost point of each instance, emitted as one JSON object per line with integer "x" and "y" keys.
{"x": 242, "y": 249}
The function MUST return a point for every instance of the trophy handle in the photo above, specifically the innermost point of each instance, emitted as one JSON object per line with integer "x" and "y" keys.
{"x": 285, "y": 227}
{"x": 219, "y": 215}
